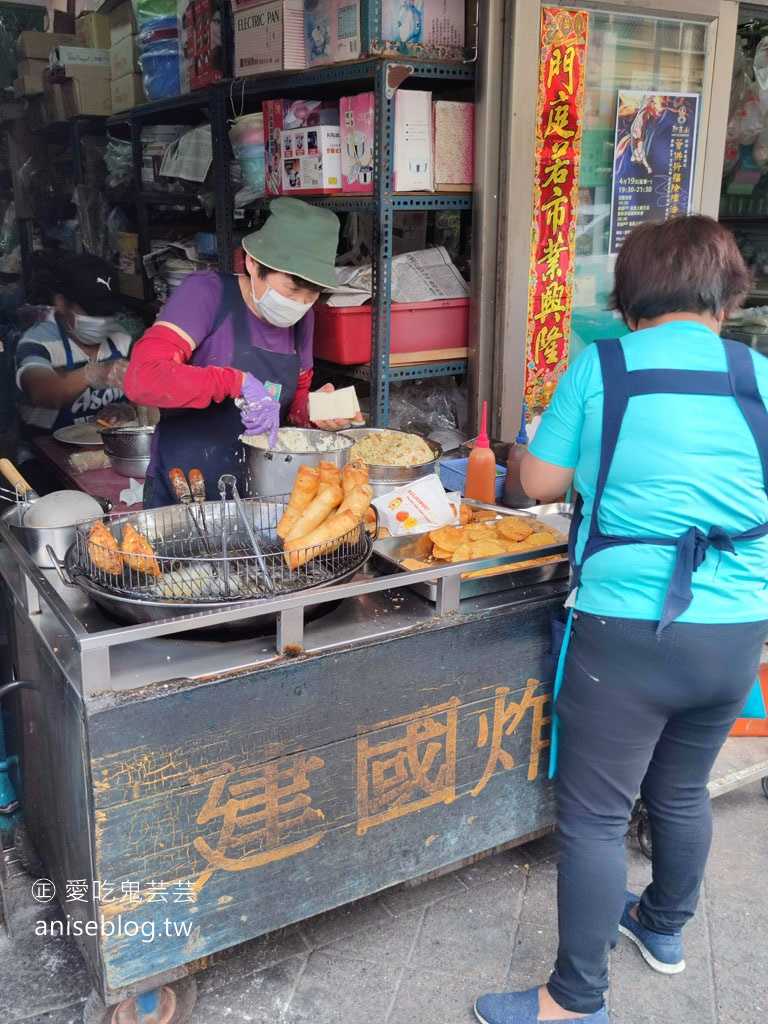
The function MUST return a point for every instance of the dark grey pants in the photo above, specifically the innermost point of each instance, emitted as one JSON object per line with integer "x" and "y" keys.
{"x": 639, "y": 714}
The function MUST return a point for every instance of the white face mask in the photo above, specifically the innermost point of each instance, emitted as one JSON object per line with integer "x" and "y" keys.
{"x": 92, "y": 330}
{"x": 279, "y": 310}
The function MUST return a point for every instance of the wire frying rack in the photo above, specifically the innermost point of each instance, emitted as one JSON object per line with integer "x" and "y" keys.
{"x": 206, "y": 553}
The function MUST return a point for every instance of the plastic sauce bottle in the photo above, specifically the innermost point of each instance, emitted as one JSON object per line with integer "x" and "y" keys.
{"x": 481, "y": 467}
{"x": 513, "y": 495}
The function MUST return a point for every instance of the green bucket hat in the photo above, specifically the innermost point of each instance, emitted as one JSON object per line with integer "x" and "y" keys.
{"x": 297, "y": 238}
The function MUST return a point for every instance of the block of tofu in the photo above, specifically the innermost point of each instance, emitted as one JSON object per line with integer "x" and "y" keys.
{"x": 341, "y": 404}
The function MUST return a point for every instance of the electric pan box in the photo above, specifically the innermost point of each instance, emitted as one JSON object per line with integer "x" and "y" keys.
{"x": 343, "y": 333}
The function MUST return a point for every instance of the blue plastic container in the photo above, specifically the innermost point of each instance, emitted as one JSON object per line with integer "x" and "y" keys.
{"x": 453, "y": 476}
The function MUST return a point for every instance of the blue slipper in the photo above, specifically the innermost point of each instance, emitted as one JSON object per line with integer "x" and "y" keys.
{"x": 522, "y": 1008}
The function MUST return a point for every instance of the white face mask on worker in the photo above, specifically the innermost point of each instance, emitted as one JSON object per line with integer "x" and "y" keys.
{"x": 277, "y": 309}
{"x": 92, "y": 330}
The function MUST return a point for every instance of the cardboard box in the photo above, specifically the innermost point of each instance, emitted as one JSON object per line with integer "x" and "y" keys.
{"x": 454, "y": 140}
{"x": 124, "y": 57}
{"x": 344, "y": 30}
{"x": 86, "y": 97}
{"x": 32, "y": 68}
{"x": 413, "y": 147}
{"x": 356, "y": 116}
{"x": 200, "y": 43}
{"x": 80, "y": 61}
{"x": 284, "y": 114}
{"x": 54, "y": 99}
{"x": 127, "y": 92}
{"x": 28, "y": 85}
{"x": 122, "y": 22}
{"x": 311, "y": 162}
{"x": 332, "y": 31}
{"x": 268, "y": 36}
{"x": 38, "y": 45}
{"x": 92, "y": 29}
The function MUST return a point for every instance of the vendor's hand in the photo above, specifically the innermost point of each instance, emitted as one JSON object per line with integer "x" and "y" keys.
{"x": 260, "y": 412}
{"x": 336, "y": 424}
{"x": 96, "y": 373}
{"x": 117, "y": 414}
{"x": 116, "y": 372}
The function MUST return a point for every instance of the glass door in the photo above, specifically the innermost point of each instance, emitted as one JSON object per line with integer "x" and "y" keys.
{"x": 644, "y": 83}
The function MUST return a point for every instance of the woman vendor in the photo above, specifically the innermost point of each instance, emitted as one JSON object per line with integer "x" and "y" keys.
{"x": 664, "y": 433}
{"x": 70, "y": 366}
{"x": 220, "y": 337}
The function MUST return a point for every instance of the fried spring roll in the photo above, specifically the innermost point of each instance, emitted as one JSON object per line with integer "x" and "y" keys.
{"x": 358, "y": 500}
{"x": 354, "y": 474}
{"x": 304, "y": 490}
{"x": 321, "y": 541}
{"x": 328, "y": 498}
{"x": 329, "y": 474}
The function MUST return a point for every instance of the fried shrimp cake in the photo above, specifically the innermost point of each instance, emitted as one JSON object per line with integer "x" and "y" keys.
{"x": 539, "y": 540}
{"x": 513, "y": 528}
{"x": 137, "y": 552}
{"x": 447, "y": 537}
{"x": 103, "y": 549}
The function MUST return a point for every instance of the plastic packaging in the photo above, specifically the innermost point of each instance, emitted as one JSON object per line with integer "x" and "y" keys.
{"x": 481, "y": 467}
{"x": 159, "y": 63}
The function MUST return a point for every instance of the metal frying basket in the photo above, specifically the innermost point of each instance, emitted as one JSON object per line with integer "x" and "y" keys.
{"x": 188, "y": 565}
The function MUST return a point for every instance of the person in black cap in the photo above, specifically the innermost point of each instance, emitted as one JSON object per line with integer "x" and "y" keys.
{"x": 221, "y": 337}
{"x": 70, "y": 366}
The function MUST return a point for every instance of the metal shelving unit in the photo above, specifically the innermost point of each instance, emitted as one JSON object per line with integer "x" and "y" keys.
{"x": 382, "y": 76}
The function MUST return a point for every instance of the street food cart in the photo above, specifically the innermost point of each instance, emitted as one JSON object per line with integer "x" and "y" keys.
{"x": 195, "y": 780}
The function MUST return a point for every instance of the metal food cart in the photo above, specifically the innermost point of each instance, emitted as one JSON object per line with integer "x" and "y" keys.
{"x": 197, "y": 781}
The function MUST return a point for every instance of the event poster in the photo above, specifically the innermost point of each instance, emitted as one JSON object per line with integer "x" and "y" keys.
{"x": 654, "y": 159}
{"x": 559, "y": 112}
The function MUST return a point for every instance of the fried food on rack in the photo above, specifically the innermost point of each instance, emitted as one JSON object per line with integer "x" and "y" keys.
{"x": 138, "y": 553}
{"x": 354, "y": 474}
{"x": 329, "y": 473}
{"x": 358, "y": 499}
{"x": 103, "y": 549}
{"x": 322, "y": 540}
{"x": 327, "y": 501}
{"x": 304, "y": 490}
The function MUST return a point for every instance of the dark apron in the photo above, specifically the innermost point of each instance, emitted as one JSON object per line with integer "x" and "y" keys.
{"x": 619, "y": 385}
{"x": 208, "y": 439}
{"x": 97, "y": 397}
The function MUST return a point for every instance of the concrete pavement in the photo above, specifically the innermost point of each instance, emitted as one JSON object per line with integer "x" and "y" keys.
{"x": 420, "y": 954}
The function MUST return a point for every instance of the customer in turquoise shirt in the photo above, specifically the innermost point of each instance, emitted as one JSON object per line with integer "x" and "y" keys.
{"x": 664, "y": 434}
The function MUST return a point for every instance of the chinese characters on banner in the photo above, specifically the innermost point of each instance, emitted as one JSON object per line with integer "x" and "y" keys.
{"x": 553, "y": 237}
{"x": 654, "y": 159}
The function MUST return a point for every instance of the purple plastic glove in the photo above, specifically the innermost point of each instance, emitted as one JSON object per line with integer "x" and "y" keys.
{"x": 260, "y": 413}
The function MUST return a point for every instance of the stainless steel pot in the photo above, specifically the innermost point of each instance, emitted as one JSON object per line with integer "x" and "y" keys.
{"x": 273, "y": 471}
{"x": 35, "y": 540}
{"x": 385, "y": 478}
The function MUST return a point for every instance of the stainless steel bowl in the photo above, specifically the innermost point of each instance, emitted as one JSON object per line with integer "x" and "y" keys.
{"x": 136, "y": 468}
{"x": 127, "y": 442}
{"x": 385, "y": 478}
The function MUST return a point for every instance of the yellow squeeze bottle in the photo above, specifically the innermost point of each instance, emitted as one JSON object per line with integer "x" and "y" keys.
{"x": 481, "y": 467}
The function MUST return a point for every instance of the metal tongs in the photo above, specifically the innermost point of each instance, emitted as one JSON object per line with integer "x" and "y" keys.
{"x": 192, "y": 491}
{"x": 228, "y": 480}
